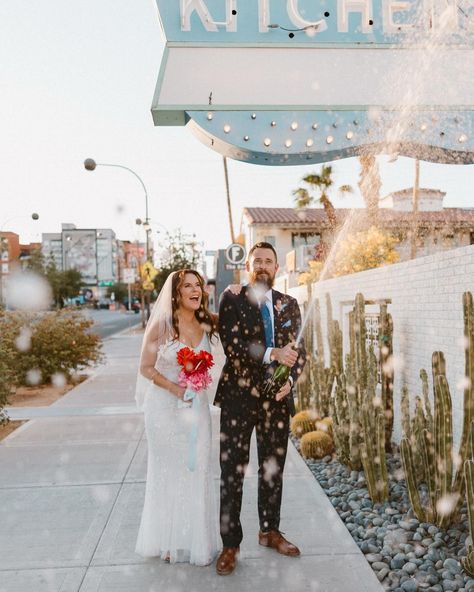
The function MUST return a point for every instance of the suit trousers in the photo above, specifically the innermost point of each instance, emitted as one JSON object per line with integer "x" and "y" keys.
{"x": 271, "y": 421}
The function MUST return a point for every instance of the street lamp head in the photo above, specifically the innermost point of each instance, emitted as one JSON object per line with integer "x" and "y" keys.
{"x": 90, "y": 164}
{"x": 138, "y": 221}
{"x": 35, "y": 216}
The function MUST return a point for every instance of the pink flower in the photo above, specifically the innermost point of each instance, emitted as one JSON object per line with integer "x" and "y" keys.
{"x": 195, "y": 373}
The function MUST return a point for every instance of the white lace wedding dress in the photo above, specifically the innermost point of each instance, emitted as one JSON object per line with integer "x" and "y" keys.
{"x": 180, "y": 513}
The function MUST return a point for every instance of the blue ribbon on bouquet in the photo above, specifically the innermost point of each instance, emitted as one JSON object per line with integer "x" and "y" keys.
{"x": 191, "y": 395}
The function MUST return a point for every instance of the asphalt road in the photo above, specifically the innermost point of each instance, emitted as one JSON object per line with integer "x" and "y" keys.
{"x": 108, "y": 322}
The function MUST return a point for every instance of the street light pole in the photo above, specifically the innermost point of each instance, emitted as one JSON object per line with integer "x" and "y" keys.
{"x": 90, "y": 165}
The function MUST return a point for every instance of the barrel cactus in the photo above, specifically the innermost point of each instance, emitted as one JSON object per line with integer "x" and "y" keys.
{"x": 303, "y": 422}
{"x": 317, "y": 444}
{"x": 325, "y": 425}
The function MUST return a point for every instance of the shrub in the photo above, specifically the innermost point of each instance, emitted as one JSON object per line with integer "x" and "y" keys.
{"x": 9, "y": 327}
{"x": 58, "y": 342}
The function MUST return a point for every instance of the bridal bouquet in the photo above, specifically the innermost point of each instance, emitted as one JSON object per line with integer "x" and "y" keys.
{"x": 194, "y": 375}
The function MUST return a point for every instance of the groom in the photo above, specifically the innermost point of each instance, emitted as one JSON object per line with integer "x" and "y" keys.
{"x": 258, "y": 328}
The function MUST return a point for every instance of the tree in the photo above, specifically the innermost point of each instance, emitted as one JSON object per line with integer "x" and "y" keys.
{"x": 365, "y": 250}
{"x": 119, "y": 290}
{"x": 64, "y": 284}
{"x": 370, "y": 185}
{"x": 362, "y": 250}
{"x": 322, "y": 182}
{"x": 180, "y": 252}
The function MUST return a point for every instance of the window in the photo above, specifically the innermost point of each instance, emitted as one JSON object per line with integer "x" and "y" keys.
{"x": 270, "y": 239}
{"x": 472, "y": 238}
{"x": 299, "y": 239}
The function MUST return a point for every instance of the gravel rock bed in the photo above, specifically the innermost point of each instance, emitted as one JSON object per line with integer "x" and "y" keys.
{"x": 406, "y": 555}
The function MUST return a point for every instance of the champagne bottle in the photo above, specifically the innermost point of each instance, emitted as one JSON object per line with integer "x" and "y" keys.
{"x": 278, "y": 379}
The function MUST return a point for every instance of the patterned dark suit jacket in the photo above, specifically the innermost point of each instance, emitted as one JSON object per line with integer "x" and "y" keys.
{"x": 243, "y": 338}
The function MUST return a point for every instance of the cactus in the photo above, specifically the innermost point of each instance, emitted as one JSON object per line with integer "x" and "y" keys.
{"x": 325, "y": 425}
{"x": 315, "y": 391}
{"x": 303, "y": 422}
{"x": 339, "y": 411}
{"x": 434, "y": 443}
{"x": 373, "y": 445}
{"x": 405, "y": 407}
{"x": 316, "y": 444}
{"x": 386, "y": 355}
{"x": 468, "y": 562}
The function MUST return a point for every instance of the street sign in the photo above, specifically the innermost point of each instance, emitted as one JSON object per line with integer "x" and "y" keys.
{"x": 235, "y": 257}
{"x": 147, "y": 285}
{"x": 235, "y": 254}
{"x": 104, "y": 283}
{"x": 148, "y": 271}
{"x": 128, "y": 275}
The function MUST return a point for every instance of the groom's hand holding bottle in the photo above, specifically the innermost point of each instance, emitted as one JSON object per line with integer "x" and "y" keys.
{"x": 287, "y": 356}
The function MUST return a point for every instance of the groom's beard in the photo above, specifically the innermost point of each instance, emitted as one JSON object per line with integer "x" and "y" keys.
{"x": 262, "y": 278}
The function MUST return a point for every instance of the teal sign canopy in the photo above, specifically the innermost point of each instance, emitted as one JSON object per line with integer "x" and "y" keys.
{"x": 284, "y": 82}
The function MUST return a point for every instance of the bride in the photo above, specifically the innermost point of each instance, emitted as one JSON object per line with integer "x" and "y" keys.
{"x": 180, "y": 516}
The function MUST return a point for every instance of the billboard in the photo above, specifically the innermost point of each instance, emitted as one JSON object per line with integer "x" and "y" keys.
{"x": 80, "y": 252}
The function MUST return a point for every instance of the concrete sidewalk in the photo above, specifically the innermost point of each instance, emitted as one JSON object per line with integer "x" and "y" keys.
{"x": 72, "y": 484}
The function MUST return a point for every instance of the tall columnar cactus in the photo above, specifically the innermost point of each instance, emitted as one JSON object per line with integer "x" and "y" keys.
{"x": 358, "y": 411}
{"x": 303, "y": 386}
{"x": 386, "y": 364}
{"x": 322, "y": 377}
{"x": 468, "y": 561}
{"x": 434, "y": 445}
{"x": 373, "y": 445}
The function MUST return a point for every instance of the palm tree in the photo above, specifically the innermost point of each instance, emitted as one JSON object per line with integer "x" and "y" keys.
{"x": 369, "y": 185}
{"x": 321, "y": 182}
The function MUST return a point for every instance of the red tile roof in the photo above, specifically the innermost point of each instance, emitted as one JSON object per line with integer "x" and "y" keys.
{"x": 311, "y": 217}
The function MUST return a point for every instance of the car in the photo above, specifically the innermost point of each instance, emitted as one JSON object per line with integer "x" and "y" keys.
{"x": 104, "y": 303}
{"x": 135, "y": 304}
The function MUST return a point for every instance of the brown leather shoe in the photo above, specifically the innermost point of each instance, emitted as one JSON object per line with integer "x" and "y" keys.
{"x": 227, "y": 560}
{"x": 275, "y": 540}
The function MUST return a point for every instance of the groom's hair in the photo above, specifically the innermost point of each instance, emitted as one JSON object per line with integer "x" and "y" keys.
{"x": 263, "y": 245}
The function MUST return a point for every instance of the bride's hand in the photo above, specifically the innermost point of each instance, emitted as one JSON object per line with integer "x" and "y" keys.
{"x": 235, "y": 289}
{"x": 178, "y": 391}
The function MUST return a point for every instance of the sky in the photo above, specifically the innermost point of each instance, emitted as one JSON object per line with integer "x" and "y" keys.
{"x": 77, "y": 81}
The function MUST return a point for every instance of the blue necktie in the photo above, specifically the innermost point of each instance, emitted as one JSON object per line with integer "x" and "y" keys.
{"x": 267, "y": 324}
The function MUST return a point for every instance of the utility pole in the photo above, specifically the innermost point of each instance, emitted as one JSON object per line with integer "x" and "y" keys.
{"x": 414, "y": 225}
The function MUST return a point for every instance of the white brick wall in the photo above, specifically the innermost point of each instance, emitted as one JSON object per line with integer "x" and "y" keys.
{"x": 426, "y": 307}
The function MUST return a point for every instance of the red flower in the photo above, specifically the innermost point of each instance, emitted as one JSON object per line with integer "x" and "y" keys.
{"x": 193, "y": 362}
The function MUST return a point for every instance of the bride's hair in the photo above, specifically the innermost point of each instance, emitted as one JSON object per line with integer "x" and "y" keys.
{"x": 203, "y": 314}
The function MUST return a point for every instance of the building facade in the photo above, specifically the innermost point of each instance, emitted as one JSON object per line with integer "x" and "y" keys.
{"x": 296, "y": 234}
{"x": 92, "y": 251}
